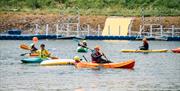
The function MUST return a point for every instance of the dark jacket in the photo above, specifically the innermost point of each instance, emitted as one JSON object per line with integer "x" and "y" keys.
{"x": 146, "y": 45}
{"x": 96, "y": 57}
{"x": 33, "y": 49}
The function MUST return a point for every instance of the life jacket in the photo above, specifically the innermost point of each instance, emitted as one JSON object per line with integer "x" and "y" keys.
{"x": 95, "y": 56}
{"x": 43, "y": 54}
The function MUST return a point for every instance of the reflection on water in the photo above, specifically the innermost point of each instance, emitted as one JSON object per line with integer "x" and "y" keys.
{"x": 153, "y": 71}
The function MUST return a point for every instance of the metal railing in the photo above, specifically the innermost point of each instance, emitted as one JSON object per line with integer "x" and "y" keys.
{"x": 158, "y": 31}
{"x": 74, "y": 29}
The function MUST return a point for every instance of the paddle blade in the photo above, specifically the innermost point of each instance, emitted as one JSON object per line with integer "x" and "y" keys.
{"x": 54, "y": 57}
{"x": 25, "y": 47}
{"x": 23, "y": 54}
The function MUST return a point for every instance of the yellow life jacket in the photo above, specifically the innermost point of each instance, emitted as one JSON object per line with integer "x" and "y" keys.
{"x": 43, "y": 54}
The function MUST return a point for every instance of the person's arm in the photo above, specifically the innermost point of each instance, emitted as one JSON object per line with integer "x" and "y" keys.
{"x": 47, "y": 53}
{"x": 79, "y": 44}
{"x": 82, "y": 45}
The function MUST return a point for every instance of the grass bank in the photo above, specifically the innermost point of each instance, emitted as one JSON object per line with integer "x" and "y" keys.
{"x": 95, "y": 7}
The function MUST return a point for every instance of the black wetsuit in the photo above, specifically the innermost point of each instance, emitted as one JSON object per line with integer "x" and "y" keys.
{"x": 145, "y": 46}
{"x": 97, "y": 58}
{"x": 33, "y": 49}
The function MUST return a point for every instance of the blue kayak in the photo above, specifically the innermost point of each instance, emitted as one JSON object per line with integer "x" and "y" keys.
{"x": 32, "y": 60}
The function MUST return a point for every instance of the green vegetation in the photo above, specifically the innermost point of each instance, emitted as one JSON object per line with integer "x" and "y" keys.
{"x": 95, "y": 7}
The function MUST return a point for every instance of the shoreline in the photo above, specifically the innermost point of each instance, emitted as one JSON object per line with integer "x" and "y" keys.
{"x": 25, "y": 21}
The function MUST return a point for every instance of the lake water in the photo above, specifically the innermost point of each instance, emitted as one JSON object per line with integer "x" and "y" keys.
{"x": 152, "y": 71}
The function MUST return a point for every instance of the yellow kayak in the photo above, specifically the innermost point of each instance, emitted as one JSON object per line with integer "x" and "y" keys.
{"x": 136, "y": 51}
{"x": 52, "y": 62}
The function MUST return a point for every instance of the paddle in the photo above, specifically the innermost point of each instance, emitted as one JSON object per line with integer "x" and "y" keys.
{"x": 85, "y": 58}
{"x": 54, "y": 57}
{"x": 105, "y": 56}
{"x": 23, "y": 54}
{"x": 25, "y": 47}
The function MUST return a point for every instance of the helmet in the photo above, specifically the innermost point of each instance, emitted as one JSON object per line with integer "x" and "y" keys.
{"x": 77, "y": 58}
{"x": 97, "y": 47}
{"x": 84, "y": 41}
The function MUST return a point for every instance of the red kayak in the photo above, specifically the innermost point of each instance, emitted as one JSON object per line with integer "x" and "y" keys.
{"x": 177, "y": 50}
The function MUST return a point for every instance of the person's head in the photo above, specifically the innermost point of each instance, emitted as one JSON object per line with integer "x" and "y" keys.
{"x": 77, "y": 59}
{"x": 42, "y": 46}
{"x": 145, "y": 39}
{"x": 84, "y": 42}
{"x": 97, "y": 48}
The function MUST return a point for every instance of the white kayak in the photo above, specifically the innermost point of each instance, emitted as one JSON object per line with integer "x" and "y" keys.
{"x": 52, "y": 62}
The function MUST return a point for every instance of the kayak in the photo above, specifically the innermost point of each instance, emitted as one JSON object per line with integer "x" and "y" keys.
{"x": 81, "y": 49}
{"x": 52, "y": 62}
{"x": 32, "y": 60}
{"x": 126, "y": 64}
{"x": 129, "y": 50}
{"x": 176, "y": 50}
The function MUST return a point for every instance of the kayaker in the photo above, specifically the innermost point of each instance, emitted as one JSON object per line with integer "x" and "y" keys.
{"x": 96, "y": 56}
{"x": 145, "y": 45}
{"x": 33, "y": 48}
{"x": 83, "y": 44}
{"x": 43, "y": 53}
